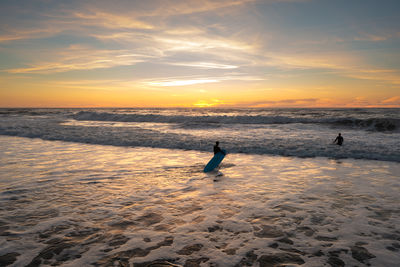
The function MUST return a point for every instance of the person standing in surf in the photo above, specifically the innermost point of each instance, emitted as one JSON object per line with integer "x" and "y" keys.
{"x": 217, "y": 148}
{"x": 339, "y": 139}
{"x": 214, "y": 163}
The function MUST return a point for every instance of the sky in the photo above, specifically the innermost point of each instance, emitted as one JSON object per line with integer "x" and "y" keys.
{"x": 195, "y": 53}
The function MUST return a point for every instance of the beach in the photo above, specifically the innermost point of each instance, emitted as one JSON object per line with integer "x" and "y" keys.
{"x": 205, "y": 133}
{"x": 76, "y": 204}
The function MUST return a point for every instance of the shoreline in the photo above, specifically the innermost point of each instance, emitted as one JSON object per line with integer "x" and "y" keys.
{"x": 79, "y": 204}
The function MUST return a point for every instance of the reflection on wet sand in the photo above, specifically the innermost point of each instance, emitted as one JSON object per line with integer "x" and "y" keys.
{"x": 77, "y": 205}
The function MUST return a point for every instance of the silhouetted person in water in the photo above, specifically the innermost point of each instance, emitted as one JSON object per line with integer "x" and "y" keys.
{"x": 339, "y": 139}
{"x": 217, "y": 148}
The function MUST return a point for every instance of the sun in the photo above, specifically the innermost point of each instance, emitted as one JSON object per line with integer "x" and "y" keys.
{"x": 210, "y": 103}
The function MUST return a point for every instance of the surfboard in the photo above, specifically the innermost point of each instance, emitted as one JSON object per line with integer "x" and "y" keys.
{"x": 215, "y": 161}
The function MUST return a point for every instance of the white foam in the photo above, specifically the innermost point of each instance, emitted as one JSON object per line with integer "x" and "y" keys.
{"x": 144, "y": 193}
{"x": 287, "y": 138}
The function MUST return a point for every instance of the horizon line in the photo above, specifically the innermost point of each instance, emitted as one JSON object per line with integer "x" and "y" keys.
{"x": 197, "y": 107}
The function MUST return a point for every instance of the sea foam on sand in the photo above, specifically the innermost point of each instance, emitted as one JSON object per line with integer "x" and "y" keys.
{"x": 76, "y": 204}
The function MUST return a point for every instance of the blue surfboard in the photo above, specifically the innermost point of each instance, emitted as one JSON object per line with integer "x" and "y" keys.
{"x": 215, "y": 161}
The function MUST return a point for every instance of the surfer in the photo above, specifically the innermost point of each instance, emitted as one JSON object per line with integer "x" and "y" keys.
{"x": 339, "y": 139}
{"x": 219, "y": 155}
{"x": 217, "y": 148}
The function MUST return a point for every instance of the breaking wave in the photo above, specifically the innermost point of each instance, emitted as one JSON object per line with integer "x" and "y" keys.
{"x": 369, "y": 124}
{"x": 368, "y": 134}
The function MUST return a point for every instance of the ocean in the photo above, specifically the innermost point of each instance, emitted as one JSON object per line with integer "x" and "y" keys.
{"x": 368, "y": 133}
{"x": 126, "y": 187}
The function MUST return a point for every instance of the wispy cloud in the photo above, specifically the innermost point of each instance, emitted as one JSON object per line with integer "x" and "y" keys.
{"x": 377, "y": 36}
{"x": 280, "y": 103}
{"x": 395, "y": 100}
{"x": 205, "y": 65}
{"x": 201, "y": 43}
{"x": 339, "y": 63}
{"x": 371, "y": 37}
{"x": 27, "y": 33}
{"x": 391, "y": 76}
{"x": 109, "y": 20}
{"x": 180, "y": 82}
{"x": 192, "y": 80}
{"x": 77, "y": 57}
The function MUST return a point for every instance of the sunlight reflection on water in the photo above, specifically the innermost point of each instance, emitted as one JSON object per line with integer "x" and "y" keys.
{"x": 101, "y": 200}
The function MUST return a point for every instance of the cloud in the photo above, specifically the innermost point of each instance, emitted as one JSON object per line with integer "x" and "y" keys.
{"x": 166, "y": 8}
{"x": 138, "y": 47}
{"x": 122, "y": 34}
{"x": 204, "y": 65}
{"x": 27, "y": 33}
{"x": 142, "y": 30}
{"x": 301, "y": 102}
{"x": 395, "y": 100}
{"x": 371, "y": 37}
{"x": 136, "y": 15}
{"x": 180, "y": 82}
{"x": 192, "y": 80}
{"x": 377, "y": 36}
{"x": 78, "y": 57}
{"x": 339, "y": 63}
{"x": 191, "y": 50}
{"x": 109, "y": 20}
{"x": 391, "y": 76}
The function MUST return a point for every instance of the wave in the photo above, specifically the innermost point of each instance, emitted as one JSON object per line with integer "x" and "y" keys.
{"x": 370, "y": 124}
{"x": 317, "y": 143}
{"x": 280, "y": 147}
{"x": 30, "y": 112}
{"x": 300, "y": 134}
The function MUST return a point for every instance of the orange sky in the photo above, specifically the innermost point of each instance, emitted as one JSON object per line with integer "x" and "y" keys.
{"x": 200, "y": 53}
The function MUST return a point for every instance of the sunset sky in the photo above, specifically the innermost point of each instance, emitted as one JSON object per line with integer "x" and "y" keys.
{"x": 233, "y": 53}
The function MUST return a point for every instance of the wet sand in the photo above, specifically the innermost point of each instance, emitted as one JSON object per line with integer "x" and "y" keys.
{"x": 74, "y": 204}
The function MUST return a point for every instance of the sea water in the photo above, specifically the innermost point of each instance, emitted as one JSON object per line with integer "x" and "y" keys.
{"x": 120, "y": 187}
{"x": 368, "y": 133}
